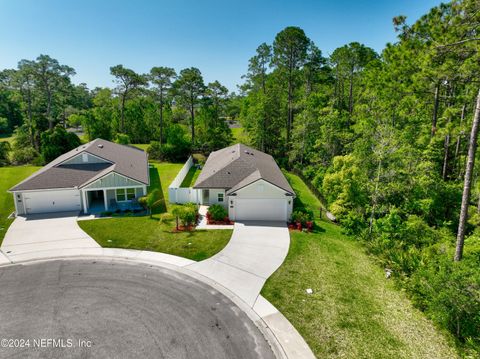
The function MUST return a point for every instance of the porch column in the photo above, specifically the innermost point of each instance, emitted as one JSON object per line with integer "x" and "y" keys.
{"x": 84, "y": 200}
{"x": 105, "y": 199}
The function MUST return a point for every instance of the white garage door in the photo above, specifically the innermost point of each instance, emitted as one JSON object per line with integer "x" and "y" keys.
{"x": 52, "y": 201}
{"x": 261, "y": 209}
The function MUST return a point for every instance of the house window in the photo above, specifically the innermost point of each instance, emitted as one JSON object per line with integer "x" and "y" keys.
{"x": 120, "y": 194}
{"x": 130, "y": 193}
{"x": 220, "y": 197}
{"x": 125, "y": 194}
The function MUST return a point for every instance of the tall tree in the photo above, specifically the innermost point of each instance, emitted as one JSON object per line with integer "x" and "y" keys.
{"x": 162, "y": 78}
{"x": 472, "y": 148}
{"x": 189, "y": 86}
{"x": 51, "y": 77}
{"x": 127, "y": 81}
{"x": 289, "y": 55}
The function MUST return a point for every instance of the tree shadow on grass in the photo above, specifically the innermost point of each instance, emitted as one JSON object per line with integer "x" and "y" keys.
{"x": 155, "y": 183}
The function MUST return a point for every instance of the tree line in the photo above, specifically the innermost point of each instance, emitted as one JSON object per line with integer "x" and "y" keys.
{"x": 174, "y": 112}
{"x": 389, "y": 139}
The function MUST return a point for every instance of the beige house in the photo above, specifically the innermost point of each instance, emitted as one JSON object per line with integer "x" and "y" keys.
{"x": 94, "y": 177}
{"x": 248, "y": 183}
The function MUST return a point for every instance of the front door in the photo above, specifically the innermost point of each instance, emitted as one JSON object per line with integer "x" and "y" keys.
{"x": 205, "y": 196}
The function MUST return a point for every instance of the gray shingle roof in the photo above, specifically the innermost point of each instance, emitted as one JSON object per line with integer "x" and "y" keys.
{"x": 236, "y": 166}
{"x": 125, "y": 160}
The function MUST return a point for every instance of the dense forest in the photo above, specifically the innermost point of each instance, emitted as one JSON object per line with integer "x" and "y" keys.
{"x": 389, "y": 139}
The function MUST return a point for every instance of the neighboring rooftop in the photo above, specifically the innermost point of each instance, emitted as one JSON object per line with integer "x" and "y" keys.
{"x": 125, "y": 160}
{"x": 236, "y": 166}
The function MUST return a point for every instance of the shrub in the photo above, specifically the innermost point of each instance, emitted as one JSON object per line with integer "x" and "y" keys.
{"x": 217, "y": 212}
{"x": 187, "y": 216}
{"x": 302, "y": 216}
{"x": 4, "y": 149}
{"x": 122, "y": 139}
{"x": 142, "y": 201}
{"x": 23, "y": 156}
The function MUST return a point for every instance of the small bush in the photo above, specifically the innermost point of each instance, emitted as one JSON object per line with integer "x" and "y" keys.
{"x": 122, "y": 139}
{"x": 23, "y": 156}
{"x": 302, "y": 216}
{"x": 217, "y": 212}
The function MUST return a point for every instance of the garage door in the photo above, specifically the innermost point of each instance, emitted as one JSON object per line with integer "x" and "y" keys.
{"x": 52, "y": 201}
{"x": 261, "y": 209}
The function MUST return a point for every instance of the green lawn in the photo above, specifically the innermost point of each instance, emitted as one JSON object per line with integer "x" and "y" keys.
{"x": 191, "y": 177}
{"x": 10, "y": 176}
{"x": 142, "y": 146}
{"x": 239, "y": 136}
{"x": 155, "y": 234}
{"x": 354, "y": 312}
{"x": 151, "y": 235}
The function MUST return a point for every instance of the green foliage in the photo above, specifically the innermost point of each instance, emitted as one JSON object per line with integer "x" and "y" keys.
{"x": 302, "y": 216}
{"x": 449, "y": 292}
{"x": 187, "y": 214}
{"x": 217, "y": 212}
{"x": 176, "y": 149}
{"x": 3, "y": 125}
{"x": 122, "y": 139}
{"x": 5, "y": 148}
{"x": 56, "y": 142}
{"x": 23, "y": 156}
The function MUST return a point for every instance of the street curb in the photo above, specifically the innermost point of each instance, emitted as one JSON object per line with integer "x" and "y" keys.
{"x": 283, "y": 349}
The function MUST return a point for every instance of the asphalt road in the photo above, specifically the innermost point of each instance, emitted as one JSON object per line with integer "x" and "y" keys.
{"x": 101, "y": 309}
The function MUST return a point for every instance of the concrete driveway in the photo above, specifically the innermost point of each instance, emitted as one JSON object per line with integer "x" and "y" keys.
{"x": 44, "y": 232}
{"x": 254, "y": 252}
{"x": 124, "y": 311}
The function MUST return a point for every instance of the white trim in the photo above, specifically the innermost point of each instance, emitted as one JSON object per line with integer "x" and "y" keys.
{"x": 81, "y": 153}
{"x": 125, "y": 193}
{"x": 106, "y": 174}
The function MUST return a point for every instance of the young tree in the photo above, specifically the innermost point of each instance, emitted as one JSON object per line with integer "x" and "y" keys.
{"x": 189, "y": 87}
{"x": 162, "y": 78}
{"x": 127, "y": 81}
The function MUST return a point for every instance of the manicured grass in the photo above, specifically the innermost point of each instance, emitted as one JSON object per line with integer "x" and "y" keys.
{"x": 161, "y": 175}
{"x": 151, "y": 235}
{"x": 156, "y": 234}
{"x": 304, "y": 195}
{"x": 191, "y": 177}
{"x": 239, "y": 136}
{"x": 142, "y": 146}
{"x": 10, "y": 176}
{"x": 354, "y": 312}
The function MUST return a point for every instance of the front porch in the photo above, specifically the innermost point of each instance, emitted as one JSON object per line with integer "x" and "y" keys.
{"x": 96, "y": 201}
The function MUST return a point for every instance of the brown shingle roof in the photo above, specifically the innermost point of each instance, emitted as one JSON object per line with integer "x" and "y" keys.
{"x": 125, "y": 160}
{"x": 236, "y": 166}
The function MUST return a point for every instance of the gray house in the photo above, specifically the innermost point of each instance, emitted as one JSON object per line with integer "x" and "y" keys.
{"x": 90, "y": 178}
{"x": 248, "y": 183}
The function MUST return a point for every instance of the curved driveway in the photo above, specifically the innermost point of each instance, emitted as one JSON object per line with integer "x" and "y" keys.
{"x": 124, "y": 310}
{"x": 254, "y": 252}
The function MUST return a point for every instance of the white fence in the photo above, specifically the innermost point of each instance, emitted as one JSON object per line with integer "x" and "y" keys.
{"x": 177, "y": 194}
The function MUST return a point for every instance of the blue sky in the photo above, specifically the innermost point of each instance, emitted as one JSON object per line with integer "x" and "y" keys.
{"x": 218, "y": 37}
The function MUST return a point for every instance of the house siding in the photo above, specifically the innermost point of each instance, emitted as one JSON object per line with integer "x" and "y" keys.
{"x": 113, "y": 180}
{"x": 213, "y": 197}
